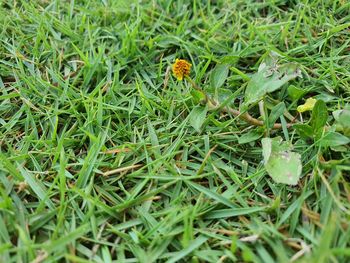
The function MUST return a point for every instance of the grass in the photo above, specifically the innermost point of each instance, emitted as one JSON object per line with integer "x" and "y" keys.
{"x": 99, "y": 160}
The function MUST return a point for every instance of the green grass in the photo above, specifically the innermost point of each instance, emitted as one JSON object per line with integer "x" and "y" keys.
{"x": 79, "y": 79}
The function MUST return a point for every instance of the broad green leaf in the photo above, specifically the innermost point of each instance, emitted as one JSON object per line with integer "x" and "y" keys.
{"x": 197, "y": 117}
{"x": 197, "y": 96}
{"x": 342, "y": 118}
{"x": 333, "y": 139}
{"x": 304, "y": 130}
{"x": 319, "y": 116}
{"x": 219, "y": 75}
{"x": 283, "y": 165}
{"x": 295, "y": 93}
{"x": 326, "y": 97}
{"x": 266, "y": 148}
{"x": 221, "y": 95}
{"x": 340, "y": 148}
{"x": 270, "y": 77}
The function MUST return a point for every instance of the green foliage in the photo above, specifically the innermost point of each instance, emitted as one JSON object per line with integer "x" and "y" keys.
{"x": 333, "y": 139}
{"x": 219, "y": 75}
{"x": 319, "y": 117}
{"x": 197, "y": 117}
{"x": 295, "y": 93}
{"x": 105, "y": 157}
{"x": 270, "y": 77}
{"x": 276, "y": 112}
{"x": 305, "y": 131}
{"x": 250, "y": 136}
{"x": 342, "y": 118}
{"x": 283, "y": 165}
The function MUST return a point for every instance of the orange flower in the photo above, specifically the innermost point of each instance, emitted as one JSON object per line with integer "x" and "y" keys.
{"x": 181, "y": 68}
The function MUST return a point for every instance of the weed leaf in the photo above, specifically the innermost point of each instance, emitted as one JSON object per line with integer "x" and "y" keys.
{"x": 197, "y": 117}
{"x": 283, "y": 165}
{"x": 270, "y": 77}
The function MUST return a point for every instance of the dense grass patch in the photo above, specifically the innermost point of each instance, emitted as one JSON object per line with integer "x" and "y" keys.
{"x": 99, "y": 157}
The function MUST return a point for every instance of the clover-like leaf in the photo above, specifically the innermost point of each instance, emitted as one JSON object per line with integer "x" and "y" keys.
{"x": 283, "y": 165}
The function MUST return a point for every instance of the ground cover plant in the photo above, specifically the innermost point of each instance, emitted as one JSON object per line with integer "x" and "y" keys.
{"x": 112, "y": 152}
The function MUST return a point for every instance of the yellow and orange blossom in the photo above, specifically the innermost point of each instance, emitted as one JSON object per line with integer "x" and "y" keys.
{"x": 181, "y": 68}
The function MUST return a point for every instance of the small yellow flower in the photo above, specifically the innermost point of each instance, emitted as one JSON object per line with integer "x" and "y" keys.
{"x": 181, "y": 68}
{"x": 308, "y": 105}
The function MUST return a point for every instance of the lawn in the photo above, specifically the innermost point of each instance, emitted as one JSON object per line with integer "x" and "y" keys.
{"x": 107, "y": 156}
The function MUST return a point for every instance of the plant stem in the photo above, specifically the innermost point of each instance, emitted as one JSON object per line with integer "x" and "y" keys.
{"x": 245, "y": 116}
